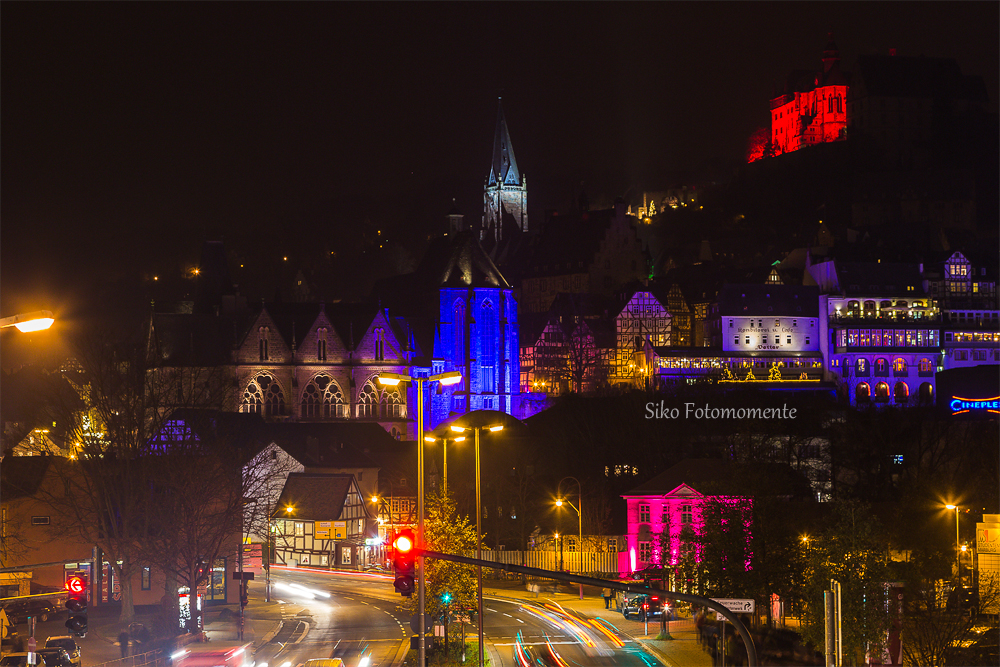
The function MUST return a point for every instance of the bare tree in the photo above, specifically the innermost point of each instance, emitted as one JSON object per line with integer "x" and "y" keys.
{"x": 127, "y": 397}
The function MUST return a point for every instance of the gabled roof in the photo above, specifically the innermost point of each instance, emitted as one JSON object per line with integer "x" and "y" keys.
{"x": 197, "y": 340}
{"x": 721, "y": 477}
{"x": 314, "y": 496}
{"x": 503, "y": 169}
{"x": 21, "y": 476}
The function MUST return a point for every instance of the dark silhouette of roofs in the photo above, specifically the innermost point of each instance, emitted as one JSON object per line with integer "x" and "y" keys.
{"x": 722, "y": 477}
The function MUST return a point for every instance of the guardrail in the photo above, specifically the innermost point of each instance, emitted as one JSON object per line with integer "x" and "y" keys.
{"x": 148, "y": 659}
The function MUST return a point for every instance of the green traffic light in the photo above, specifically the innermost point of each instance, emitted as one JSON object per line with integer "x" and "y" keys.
{"x": 446, "y": 598}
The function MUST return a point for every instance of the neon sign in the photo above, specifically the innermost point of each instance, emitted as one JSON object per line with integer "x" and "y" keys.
{"x": 960, "y": 405}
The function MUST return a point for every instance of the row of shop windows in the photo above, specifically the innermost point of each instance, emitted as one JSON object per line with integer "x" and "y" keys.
{"x": 900, "y": 393}
{"x": 880, "y": 367}
{"x": 971, "y": 337}
{"x": 887, "y": 338}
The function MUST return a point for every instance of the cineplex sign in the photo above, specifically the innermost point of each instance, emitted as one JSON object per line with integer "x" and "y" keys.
{"x": 959, "y": 405}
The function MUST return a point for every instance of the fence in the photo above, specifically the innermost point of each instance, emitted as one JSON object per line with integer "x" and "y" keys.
{"x": 594, "y": 564}
{"x": 149, "y": 659}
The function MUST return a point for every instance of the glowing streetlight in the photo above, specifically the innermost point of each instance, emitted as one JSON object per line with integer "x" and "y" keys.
{"x": 444, "y": 451}
{"x": 392, "y": 380}
{"x": 479, "y": 533}
{"x": 28, "y": 322}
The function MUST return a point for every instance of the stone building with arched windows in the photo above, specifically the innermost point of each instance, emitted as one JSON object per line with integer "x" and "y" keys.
{"x": 320, "y": 362}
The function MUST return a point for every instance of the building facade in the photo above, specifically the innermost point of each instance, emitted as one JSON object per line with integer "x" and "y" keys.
{"x": 505, "y": 194}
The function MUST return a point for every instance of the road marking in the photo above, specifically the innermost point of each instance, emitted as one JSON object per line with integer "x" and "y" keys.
{"x": 519, "y": 620}
{"x": 535, "y": 643}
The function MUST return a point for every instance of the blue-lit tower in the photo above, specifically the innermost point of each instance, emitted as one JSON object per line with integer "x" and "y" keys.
{"x": 476, "y": 333}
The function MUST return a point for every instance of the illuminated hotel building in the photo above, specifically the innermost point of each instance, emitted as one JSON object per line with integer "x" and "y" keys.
{"x": 881, "y": 332}
{"x": 759, "y": 333}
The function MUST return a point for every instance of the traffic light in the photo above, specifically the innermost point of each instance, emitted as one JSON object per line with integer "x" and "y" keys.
{"x": 403, "y": 561}
{"x": 446, "y": 597}
{"x": 76, "y": 603}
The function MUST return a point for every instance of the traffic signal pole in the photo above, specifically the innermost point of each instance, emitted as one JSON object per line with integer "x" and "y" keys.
{"x": 604, "y": 583}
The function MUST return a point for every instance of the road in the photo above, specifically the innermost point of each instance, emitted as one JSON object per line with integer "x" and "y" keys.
{"x": 362, "y": 618}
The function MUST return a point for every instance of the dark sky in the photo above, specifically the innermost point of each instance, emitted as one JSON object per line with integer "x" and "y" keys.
{"x": 133, "y": 132}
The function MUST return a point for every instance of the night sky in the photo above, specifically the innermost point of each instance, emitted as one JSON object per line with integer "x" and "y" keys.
{"x": 133, "y": 132}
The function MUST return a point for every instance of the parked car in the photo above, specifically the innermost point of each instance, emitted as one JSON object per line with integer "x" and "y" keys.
{"x": 68, "y": 644}
{"x": 55, "y": 657}
{"x": 21, "y": 660}
{"x": 43, "y": 608}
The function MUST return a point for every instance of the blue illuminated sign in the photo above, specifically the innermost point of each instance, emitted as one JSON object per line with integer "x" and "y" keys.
{"x": 959, "y": 405}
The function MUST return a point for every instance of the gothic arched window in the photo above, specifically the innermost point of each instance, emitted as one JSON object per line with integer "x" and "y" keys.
{"x": 263, "y": 395}
{"x": 322, "y": 397}
{"x": 390, "y": 404}
{"x": 458, "y": 329}
{"x": 321, "y": 344}
{"x": 368, "y": 400}
{"x": 489, "y": 344}
{"x": 262, "y": 351}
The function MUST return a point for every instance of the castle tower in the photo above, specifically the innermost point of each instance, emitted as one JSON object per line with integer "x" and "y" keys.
{"x": 505, "y": 197}
{"x": 831, "y": 55}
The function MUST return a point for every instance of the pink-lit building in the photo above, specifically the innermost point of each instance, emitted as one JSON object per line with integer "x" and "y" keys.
{"x": 660, "y": 511}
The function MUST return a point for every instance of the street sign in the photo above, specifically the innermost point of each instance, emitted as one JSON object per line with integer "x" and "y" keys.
{"x": 415, "y": 623}
{"x": 738, "y": 606}
{"x": 245, "y": 576}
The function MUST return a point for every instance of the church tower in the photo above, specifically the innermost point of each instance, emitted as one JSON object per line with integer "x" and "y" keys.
{"x": 505, "y": 200}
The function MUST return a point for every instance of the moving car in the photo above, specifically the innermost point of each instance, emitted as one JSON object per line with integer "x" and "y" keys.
{"x": 68, "y": 644}
{"x": 642, "y": 605}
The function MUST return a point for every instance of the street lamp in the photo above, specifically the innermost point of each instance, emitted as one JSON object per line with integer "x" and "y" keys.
{"x": 579, "y": 513}
{"x": 479, "y": 534}
{"x": 28, "y": 322}
{"x": 444, "y": 448}
{"x": 393, "y": 379}
{"x": 958, "y": 547}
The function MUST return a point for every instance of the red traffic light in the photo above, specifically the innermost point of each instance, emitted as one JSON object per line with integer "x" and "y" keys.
{"x": 76, "y": 585}
{"x": 404, "y": 542}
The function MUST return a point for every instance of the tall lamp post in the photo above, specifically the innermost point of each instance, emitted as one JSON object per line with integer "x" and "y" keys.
{"x": 444, "y": 448}
{"x": 579, "y": 513}
{"x": 958, "y": 547}
{"x": 479, "y": 532}
{"x": 393, "y": 379}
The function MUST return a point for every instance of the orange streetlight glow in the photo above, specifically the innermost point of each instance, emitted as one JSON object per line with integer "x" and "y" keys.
{"x": 36, "y": 321}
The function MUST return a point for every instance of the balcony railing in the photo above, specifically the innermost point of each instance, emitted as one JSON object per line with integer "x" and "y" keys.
{"x": 883, "y": 319}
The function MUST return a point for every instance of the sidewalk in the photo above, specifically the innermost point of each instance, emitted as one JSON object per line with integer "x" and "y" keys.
{"x": 682, "y": 651}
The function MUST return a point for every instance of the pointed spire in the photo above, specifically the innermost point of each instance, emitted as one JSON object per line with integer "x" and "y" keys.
{"x": 504, "y": 169}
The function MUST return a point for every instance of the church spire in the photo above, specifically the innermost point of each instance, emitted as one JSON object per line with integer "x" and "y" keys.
{"x": 504, "y": 169}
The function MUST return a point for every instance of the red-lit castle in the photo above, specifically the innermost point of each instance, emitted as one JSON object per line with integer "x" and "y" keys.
{"x": 813, "y": 107}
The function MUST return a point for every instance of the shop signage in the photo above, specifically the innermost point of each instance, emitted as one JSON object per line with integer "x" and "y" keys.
{"x": 961, "y": 405}
{"x": 988, "y": 538}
